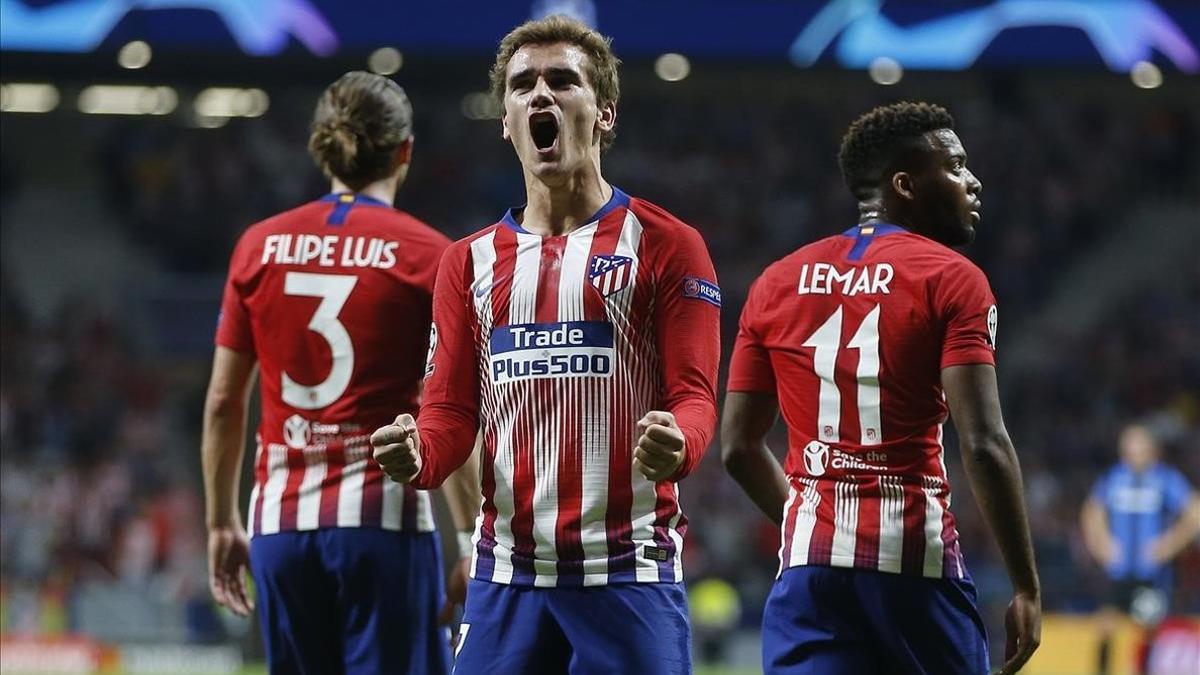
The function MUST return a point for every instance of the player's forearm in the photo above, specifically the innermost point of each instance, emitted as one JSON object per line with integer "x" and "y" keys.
{"x": 995, "y": 475}
{"x": 462, "y": 493}
{"x": 222, "y": 448}
{"x": 697, "y": 421}
{"x": 1095, "y": 529}
{"x": 1183, "y": 532}
{"x": 756, "y": 470}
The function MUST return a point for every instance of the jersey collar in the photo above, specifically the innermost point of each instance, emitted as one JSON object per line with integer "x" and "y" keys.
{"x": 617, "y": 200}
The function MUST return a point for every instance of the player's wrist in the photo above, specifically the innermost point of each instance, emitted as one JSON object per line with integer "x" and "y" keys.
{"x": 465, "y": 545}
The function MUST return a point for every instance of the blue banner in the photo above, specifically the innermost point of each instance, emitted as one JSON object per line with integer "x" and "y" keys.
{"x": 849, "y": 33}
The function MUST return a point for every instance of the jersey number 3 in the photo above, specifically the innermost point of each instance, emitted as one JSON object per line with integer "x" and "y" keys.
{"x": 826, "y": 342}
{"x": 333, "y": 290}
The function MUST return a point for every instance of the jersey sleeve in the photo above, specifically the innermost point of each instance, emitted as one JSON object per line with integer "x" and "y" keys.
{"x": 449, "y": 416}
{"x": 687, "y": 327}
{"x": 233, "y": 322}
{"x": 750, "y": 367}
{"x": 967, "y": 308}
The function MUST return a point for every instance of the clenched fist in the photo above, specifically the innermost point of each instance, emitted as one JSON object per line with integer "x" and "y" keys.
{"x": 398, "y": 449}
{"x": 660, "y": 446}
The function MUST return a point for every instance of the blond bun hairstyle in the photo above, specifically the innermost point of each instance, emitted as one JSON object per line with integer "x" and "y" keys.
{"x": 360, "y": 122}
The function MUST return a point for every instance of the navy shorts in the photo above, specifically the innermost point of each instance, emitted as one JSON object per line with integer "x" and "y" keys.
{"x": 350, "y": 600}
{"x": 834, "y": 621}
{"x": 599, "y": 630}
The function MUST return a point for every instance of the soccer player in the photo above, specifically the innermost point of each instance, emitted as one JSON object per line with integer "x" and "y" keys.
{"x": 581, "y": 334}
{"x": 1140, "y": 515}
{"x": 332, "y": 301}
{"x": 864, "y": 340}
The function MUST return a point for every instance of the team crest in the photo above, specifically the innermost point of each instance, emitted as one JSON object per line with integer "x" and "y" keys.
{"x": 610, "y": 273}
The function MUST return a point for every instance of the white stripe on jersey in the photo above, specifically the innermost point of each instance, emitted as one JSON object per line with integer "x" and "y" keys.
{"x": 425, "y": 522}
{"x": 272, "y": 494}
{"x": 392, "y": 503}
{"x": 592, "y": 395}
{"x": 891, "y": 524}
{"x": 645, "y": 497}
{"x": 350, "y": 496}
{"x": 845, "y": 524}
{"x": 483, "y": 258}
{"x": 673, "y": 531}
{"x": 806, "y": 521}
{"x": 545, "y": 480}
{"x": 254, "y": 491}
{"x": 935, "y": 548}
{"x": 308, "y": 502}
{"x": 785, "y": 545}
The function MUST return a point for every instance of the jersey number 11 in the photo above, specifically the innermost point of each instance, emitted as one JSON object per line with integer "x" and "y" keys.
{"x": 826, "y": 342}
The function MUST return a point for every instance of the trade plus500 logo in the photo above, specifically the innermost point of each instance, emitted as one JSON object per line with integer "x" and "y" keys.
{"x": 541, "y": 350}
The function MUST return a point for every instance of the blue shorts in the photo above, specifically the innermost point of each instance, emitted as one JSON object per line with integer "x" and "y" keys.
{"x": 350, "y": 600}
{"x": 600, "y": 630}
{"x": 834, "y": 621}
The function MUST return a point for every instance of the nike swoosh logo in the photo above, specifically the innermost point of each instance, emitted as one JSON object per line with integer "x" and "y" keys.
{"x": 479, "y": 292}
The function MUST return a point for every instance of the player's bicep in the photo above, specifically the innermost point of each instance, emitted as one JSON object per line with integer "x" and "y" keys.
{"x": 232, "y": 374}
{"x": 974, "y": 401}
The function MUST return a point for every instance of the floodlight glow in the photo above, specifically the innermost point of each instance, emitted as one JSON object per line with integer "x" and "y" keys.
{"x": 28, "y": 97}
{"x": 1146, "y": 75}
{"x": 231, "y": 102}
{"x": 136, "y": 54}
{"x": 672, "y": 67}
{"x": 480, "y": 105}
{"x": 111, "y": 99}
{"x": 885, "y": 71}
{"x": 385, "y": 60}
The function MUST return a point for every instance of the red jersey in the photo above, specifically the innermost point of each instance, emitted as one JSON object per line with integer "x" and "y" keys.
{"x": 556, "y": 347}
{"x": 334, "y": 299}
{"x": 852, "y": 333}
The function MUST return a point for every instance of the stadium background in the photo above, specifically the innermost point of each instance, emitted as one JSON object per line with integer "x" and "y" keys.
{"x": 116, "y": 230}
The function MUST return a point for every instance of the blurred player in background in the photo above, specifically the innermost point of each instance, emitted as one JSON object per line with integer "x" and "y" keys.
{"x": 864, "y": 339}
{"x": 582, "y": 332}
{"x": 333, "y": 302}
{"x": 1140, "y": 515}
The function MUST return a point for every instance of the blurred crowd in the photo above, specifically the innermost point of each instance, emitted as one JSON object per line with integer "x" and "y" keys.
{"x": 100, "y": 432}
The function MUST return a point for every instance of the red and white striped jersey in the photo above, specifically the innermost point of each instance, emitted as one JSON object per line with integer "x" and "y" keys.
{"x": 555, "y": 347}
{"x": 334, "y": 299}
{"x": 852, "y": 333}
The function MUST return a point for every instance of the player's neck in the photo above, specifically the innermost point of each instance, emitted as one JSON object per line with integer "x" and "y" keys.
{"x": 553, "y": 210}
{"x": 874, "y": 212}
{"x": 382, "y": 190}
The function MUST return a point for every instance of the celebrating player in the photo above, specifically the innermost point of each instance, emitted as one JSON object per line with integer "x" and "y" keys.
{"x": 581, "y": 333}
{"x": 1140, "y": 515}
{"x": 333, "y": 300}
{"x": 863, "y": 340}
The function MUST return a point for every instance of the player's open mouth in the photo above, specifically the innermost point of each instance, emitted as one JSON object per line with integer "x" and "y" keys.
{"x": 543, "y": 128}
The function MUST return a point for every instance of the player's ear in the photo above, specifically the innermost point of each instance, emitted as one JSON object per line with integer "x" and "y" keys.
{"x": 404, "y": 152}
{"x": 902, "y": 185}
{"x": 504, "y": 127}
{"x": 606, "y": 116}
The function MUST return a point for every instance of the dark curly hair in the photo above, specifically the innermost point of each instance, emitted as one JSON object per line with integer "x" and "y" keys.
{"x": 879, "y": 138}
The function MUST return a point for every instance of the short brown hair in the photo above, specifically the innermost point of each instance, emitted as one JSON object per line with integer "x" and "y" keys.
{"x": 601, "y": 67}
{"x": 360, "y": 122}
